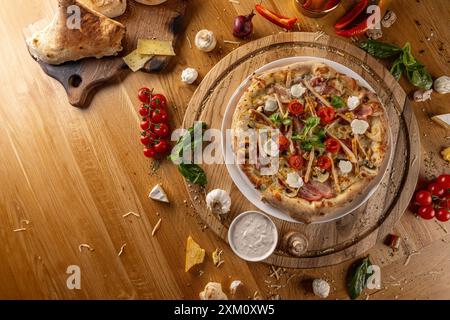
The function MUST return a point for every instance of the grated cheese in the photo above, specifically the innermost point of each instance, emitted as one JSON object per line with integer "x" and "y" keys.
{"x": 231, "y": 42}
{"x": 85, "y": 245}
{"x": 122, "y": 249}
{"x": 20, "y": 229}
{"x": 189, "y": 42}
{"x": 131, "y": 213}
{"x": 156, "y": 228}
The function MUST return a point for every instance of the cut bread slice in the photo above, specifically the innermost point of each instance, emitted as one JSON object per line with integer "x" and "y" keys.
{"x": 97, "y": 36}
{"x": 109, "y": 8}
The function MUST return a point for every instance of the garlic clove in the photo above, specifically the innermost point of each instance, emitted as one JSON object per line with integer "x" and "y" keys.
{"x": 422, "y": 95}
{"x": 442, "y": 85}
{"x": 234, "y": 286}
{"x": 218, "y": 201}
{"x": 321, "y": 288}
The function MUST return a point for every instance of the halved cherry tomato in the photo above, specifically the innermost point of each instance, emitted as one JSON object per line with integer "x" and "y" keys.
{"x": 144, "y": 95}
{"x": 283, "y": 143}
{"x": 145, "y": 124}
{"x": 443, "y": 214}
{"x": 144, "y": 110}
{"x": 326, "y": 114}
{"x": 161, "y": 129}
{"x": 158, "y": 101}
{"x": 423, "y": 198}
{"x": 444, "y": 181}
{"x": 426, "y": 212}
{"x": 332, "y": 145}
{"x": 159, "y": 116}
{"x": 150, "y": 152}
{"x": 296, "y": 107}
{"x": 324, "y": 162}
{"x": 296, "y": 162}
{"x": 436, "y": 189}
{"x": 161, "y": 146}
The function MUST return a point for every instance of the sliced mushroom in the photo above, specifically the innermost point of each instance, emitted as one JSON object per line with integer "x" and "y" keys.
{"x": 295, "y": 243}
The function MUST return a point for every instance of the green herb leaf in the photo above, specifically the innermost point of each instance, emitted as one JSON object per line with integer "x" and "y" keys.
{"x": 278, "y": 120}
{"x": 193, "y": 173}
{"x": 380, "y": 49}
{"x": 397, "y": 68}
{"x": 287, "y": 121}
{"x": 338, "y": 102}
{"x": 407, "y": 57}
{"x": 358, "y": 280}
{"x": 420, "y": 78}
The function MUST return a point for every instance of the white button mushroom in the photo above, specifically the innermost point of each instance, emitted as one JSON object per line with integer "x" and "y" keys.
{"x": 189, "y": 75}
{"x": 353, "y": 102}
{"x": 213, "y": 291}
{"x": 345, "y": 166}
{"x": 442, "y": 84}
{"x": 205, "y": 40}
{"x": 294, "y": 180}
{"x": 321, "y": 288}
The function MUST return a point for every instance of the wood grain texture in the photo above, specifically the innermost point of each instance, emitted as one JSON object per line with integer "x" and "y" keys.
{"x": 73, "y": 173}
{"x": 82, "y": 78}
{"x": 345, "y": 238}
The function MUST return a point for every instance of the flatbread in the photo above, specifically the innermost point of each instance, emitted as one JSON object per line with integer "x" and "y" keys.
{"x": 325, "y": 187}
{"x": 98, "y": 36}
{"x": 109, "y": 8}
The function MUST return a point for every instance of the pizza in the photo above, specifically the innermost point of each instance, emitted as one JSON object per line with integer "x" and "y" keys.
{"x": 327, "y": 133}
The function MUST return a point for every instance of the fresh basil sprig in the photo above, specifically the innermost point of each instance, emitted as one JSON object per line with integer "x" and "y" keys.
{"x": 358, "y": 280}
{"x": 405, "y": 62}
{"x": 278, "y": 120}
{"x": 189, "y": 142}
{"x": 337, "y": 102}
{"x": 307, "y": 142}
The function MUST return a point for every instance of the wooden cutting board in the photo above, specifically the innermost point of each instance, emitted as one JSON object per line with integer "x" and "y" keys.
{"x": 82, "y": 78}
{"x": 333, "y": 242}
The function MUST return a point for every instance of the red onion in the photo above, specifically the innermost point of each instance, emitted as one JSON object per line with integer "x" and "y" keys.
{"x": 243, "y": 26}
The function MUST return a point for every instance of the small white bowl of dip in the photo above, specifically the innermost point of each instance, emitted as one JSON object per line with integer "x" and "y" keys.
{"x": 253, "y": 236}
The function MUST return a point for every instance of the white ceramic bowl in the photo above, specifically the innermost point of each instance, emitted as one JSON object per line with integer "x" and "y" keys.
{"x": 244, "y": 184}
{"x": 232, "y": 244}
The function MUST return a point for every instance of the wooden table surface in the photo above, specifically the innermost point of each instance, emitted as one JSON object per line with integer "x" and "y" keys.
{"x": 73, "y": 174}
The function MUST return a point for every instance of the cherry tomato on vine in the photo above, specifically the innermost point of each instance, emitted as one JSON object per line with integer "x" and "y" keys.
{"x": 158, "y": 101}
{"x": 145, "y": 124}
{"x": 436, "y": 189}
{"x": 150, "y": 152}
{"x": 159, "y": 116}
{"x": 423, "y": 198}
{"x": 443, "y": 214}
{"x": 161, "y": 146}
{"x": 283, "y": 143}
{"x": 144, "y": 95}
{"x": 444, "y": 181}
{"x": 326, "y": 114}
{"x": 145, "y": 140}
{"x": 426, "y": 212}
{"x": 332, "y": 145}
{"x": 161, "y": 129}
{"x": 296, "y": 107}
{"x": 324, "y": 162}
{"x": 144, "y": 110}
{"x": 296, "y": 162}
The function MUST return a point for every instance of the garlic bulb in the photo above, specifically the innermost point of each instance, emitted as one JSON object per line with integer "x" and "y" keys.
{"x": 321, "y": 288}
{"x": 442, "y": 85}
{"x": 205, "y": 40}
{"x": 218, "y": 201}
{"x": 189, "y": 75}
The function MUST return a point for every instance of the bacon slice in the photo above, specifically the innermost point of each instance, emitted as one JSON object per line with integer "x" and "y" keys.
{"x": 363, "y": 112}
{"x": 283, "y": 93}
{"x": 308, "y": 193}
{"x": 323, "y": 188}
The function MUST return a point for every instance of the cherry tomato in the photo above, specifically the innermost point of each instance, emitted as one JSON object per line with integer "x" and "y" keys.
{"x": 326, "y": 114}
{"x": 161, "y": 146}
{"x": 150, "y": 152}
{"x": 158, "y": 101}
{"x": 295, "y": 162}
{"x": 324, "y": 162}
{"x": 426, "y": 212}
{"x": 332, "y": 145}
{"x": 423, "y": 198}
{"x": 144, "y": 110}
{"x": 443, "y": 214}
{"x": 144, "y": 95}
{"x": 296, "y": 107}
{"x": 145, "y": 140}
{"x": 436, "y": 189}
{"x": 445, "y": 201}
{"x": 145, "y": 124}
{"x": 444, "y": 181}
{"x": 159, "y": 116}
{"x": 161, "y": 129}
{"x": 283, "y": 143}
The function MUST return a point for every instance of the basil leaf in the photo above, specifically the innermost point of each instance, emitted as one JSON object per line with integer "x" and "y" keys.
{"x": 287, "y": 121}
{"x": 397, "y": 69}
{"x": 380, "y": 49}
{"x": 337, "y": 102}
{"x": 420, "y": 78}
{"x": 275, "y": 117}
{"x": 358, "y": 280}
{"x": 407, "y": 57}
{"x": 193, "y": 173}
{"x": 306, "y": 146}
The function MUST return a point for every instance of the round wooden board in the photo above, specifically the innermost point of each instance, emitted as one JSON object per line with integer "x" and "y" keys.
{"x": 333, "y": 242}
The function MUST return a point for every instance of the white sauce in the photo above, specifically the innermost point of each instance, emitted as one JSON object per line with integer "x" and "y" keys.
{"x": 253, "y": 236}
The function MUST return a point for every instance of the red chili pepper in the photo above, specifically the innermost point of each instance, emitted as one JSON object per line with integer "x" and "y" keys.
{"x": 276, "y": 18}
{"x": 357, "y": 30}
{"x": 351, "y": 15}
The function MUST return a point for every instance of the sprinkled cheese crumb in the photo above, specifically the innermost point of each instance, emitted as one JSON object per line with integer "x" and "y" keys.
{"x": 345, "y": 166}
{"x": 122, "y": 249}
{"x": 156, "y": 228}
{"x": 20, "y": 229}
{"x": 353, "y": 102}
{"x": 131, "y": 214}
{"x": 359, "y": 126}
{"x": 84, "y": 245}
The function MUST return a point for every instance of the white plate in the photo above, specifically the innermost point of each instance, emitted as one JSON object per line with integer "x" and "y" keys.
{"x": 245, "y": 185}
